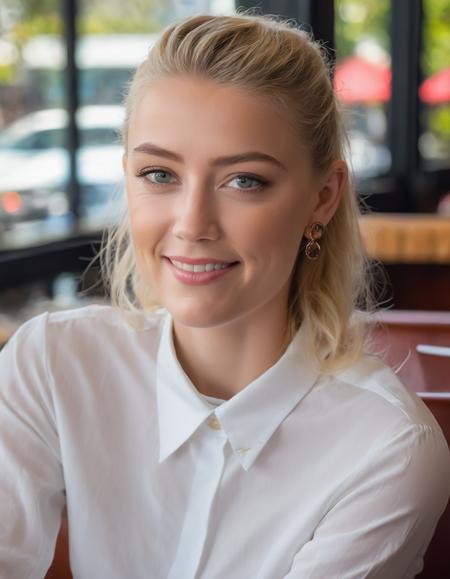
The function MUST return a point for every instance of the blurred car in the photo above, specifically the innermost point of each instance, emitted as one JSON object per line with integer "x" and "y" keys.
{"x": 34, "y": 164}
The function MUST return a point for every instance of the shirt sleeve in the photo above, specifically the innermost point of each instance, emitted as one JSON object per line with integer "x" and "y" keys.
{"x": 31, "y": 478}
{"x": 383, "y": 520}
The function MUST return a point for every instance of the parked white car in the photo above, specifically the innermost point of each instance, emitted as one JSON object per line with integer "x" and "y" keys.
{"x": 34, "y": 163}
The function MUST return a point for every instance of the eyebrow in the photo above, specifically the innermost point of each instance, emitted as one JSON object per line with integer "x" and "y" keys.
{"x": 150, "y": 149}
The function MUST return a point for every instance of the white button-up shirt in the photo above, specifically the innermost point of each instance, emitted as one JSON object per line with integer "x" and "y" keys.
{"x": 298, "y": 476}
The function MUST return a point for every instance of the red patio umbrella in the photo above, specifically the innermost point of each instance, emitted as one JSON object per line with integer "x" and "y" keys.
{"x": 358, "y": 80}
{"x": 435, "y": 90}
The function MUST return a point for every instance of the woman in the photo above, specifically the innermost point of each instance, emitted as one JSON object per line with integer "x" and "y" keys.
{"x": 240, "y": 430}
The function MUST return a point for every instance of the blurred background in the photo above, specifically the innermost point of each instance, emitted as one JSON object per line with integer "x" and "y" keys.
{"x": 64, "y": 66}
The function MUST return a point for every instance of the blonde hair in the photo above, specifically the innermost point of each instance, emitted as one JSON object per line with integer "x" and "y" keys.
{"x": 273, "y": 58}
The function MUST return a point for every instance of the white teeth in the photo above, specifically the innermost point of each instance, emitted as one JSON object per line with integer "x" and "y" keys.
{"x": 198, "y": 268}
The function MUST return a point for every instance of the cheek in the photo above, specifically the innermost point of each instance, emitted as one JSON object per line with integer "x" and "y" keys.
{"x": 283, "y": 244}
{"x": 146, "y": 231}
{"x": 142, "y": 221}
{"x": 273, "y": 234}
{"x": 148, "y": 217}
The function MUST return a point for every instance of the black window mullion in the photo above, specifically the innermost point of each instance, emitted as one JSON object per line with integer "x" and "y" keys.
{"x": 72, "y": 102}
{"x": 406, "y": 35}
{"x": 285, "y": 8}
{"x": 319, "y": 14}
{"x": 314, "y": 15}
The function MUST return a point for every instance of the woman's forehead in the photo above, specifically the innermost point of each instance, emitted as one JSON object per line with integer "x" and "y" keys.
{"x": 205, "y": 98}
{"x": 188, "y": 109}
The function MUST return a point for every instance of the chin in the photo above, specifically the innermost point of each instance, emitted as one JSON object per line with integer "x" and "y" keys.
{"x": 199, "y": 315}
{"x": 196, "y": 318}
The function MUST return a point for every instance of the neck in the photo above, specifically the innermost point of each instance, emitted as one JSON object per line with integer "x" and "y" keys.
{"x": 221, "y": 360}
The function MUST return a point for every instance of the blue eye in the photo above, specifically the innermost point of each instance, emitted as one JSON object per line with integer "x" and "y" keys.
{"x": 159, "y": 176}
{"x": 247, "y": 182}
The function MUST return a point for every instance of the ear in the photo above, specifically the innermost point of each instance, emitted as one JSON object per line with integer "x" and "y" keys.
{"x": 124, "y": 162}
{"x": 330, "y": 193}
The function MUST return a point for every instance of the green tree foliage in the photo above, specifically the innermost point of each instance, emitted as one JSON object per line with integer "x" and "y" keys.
{"x": 32, "y": 17}
{"x": 358, "y": 19}
{"x": 436, "y": 36}
{"x": 27, "y": 18}
{"x": 118, "y": 16}
{"x": 436, "y": 57}
{"x": 21, "y": 20}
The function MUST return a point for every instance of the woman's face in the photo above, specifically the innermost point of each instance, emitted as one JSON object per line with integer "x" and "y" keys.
{"x": 220, "y": 191}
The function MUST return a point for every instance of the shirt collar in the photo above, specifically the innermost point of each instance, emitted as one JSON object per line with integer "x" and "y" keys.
{"x": 248, "y": 419}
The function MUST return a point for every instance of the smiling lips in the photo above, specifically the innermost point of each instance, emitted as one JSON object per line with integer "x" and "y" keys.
{"x": 198, "y": 271}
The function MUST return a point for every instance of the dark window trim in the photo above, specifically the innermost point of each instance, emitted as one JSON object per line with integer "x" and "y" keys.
{"x": 316, "y": 16}
{"x": 406, "y": 42}
{"x": 406, "y": 188}
{"x": 72, "y": 102}
{"x": 47, "y": 260}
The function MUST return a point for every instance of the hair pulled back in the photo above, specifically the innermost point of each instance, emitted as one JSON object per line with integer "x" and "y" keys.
{"x": 272, "y": 58}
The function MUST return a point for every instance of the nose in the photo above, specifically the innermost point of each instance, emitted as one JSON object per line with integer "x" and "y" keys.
{"x": 196, "y": 218}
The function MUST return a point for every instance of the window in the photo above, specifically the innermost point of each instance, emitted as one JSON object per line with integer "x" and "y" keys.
{"x": 60, "y": 109}
{"x": 32, "y": 140}
{"x": 434, "y": 91}
{"x": 362, "y": 81}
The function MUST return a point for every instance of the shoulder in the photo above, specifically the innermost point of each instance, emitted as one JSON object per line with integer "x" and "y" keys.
{"x": 85, "y": 332}
{"x": 393, "y": 428}
{"x": 106, "y": 318}
{"x": 374, "y": 416}
{"x": 383, "y": 392}
{"x": 70, "y": 358}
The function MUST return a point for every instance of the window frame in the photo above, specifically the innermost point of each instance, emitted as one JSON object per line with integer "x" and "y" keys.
{"x": 407, "y": 188}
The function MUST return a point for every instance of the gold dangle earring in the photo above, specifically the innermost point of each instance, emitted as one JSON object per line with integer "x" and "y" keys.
{"x": 315, "y": 232}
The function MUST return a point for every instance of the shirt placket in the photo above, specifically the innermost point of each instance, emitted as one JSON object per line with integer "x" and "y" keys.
{"x": 208, "y": 473}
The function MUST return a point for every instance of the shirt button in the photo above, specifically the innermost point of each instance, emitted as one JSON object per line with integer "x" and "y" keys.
{"x": 214, "y": 423}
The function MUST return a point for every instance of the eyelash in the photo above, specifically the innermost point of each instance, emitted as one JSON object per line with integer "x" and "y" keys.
{"x": 261, "y": 182}
{"x": 144, "y": 172}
